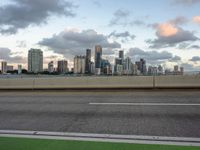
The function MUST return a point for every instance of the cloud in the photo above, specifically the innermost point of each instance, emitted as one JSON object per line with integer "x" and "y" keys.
{"x": 195, "y": 59}
{"x": 97, "y": 3}
{"x": 120, "y": 17}
{"x": 175, "y": 59}
{"x": 180, "y": 20}
{"x": 152, "y": 57}
{"x": 169, "y": 35}
{"x": 188, "y": 46}
{"x": 185, "y": 2}
{"x": 7, "y": 55}
{"x": 21, "y": 44}
{"x": 137, "y": 23}
{"x": 166, "y": 30}
{"x": 72, "y": 42}
{"x": 194, "y": 47}
{"x": 189, "y": 68}
{"x": 21, "y": 14}
{"x": 124, "y": 35}
{"x": 196, "y": 20}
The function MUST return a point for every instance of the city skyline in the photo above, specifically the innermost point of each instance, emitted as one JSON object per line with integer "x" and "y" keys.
{"x": 64, "y": 29}
{"x": 83, "y": 64}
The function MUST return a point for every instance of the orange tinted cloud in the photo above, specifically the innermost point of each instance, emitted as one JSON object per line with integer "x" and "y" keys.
{"x": 196, "y": 19}
{"x": 166, "y": 30}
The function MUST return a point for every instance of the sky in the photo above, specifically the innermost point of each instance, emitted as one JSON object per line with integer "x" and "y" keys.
{"x": 164, "y": 32}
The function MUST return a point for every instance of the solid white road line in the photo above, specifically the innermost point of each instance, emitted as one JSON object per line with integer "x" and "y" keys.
{"x": 147, "y": 104}
{"x": 181, "y": 141}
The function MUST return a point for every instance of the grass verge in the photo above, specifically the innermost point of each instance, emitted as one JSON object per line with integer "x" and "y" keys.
{"x": 41, "y": 144}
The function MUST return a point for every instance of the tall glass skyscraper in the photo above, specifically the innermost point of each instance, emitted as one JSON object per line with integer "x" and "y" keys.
{"x": 98, "y": 58}
{"x": 88, "y": 61}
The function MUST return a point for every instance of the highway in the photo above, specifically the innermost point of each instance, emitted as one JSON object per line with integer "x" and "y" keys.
{"x": 151, "y": 113}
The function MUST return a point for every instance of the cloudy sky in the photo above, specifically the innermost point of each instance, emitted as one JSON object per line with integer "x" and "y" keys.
{"x": 163, "y": 32}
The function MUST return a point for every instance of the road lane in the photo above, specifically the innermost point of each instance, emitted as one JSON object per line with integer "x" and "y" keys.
{"x": 72, "y": 112}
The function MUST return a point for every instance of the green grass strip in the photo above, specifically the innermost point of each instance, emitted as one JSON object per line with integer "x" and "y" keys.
{"x": 41, "y": 144}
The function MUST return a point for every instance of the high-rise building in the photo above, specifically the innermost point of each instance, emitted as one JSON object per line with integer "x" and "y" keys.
{"x": 92, "y": 68}
{"x": 168, "y": 72}
{"x": 160, "y": 70}
{"x": 3, "y": 67}
{"x": 88, "y": 61}
{"x": 135, "y": 69}
{"x": 98, "y": 58}
{"x": 121, "y": 54}
{"x": 128, "y": 66}
{"x": 119, "y": 69}
{"x": 182, "y": 70}
{"x": 106, "y": 67}
{"x": 118, "y": 61}
{"x": 35, "y": 60}
{"x": 176, "y": 70}
{"x": 19, "y": 69}
{"x": 62, "y": 67}
{"x": 50, "y": 67}
{"x": 142, "y": 66}
{"x": 152, "y": 70}
{"x": 79, "y": 64}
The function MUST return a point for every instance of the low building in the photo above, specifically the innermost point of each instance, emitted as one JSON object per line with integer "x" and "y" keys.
{"x": 51, "y": 67}
{"x": 10, "y": 68}
{"x": 19, "y": 69}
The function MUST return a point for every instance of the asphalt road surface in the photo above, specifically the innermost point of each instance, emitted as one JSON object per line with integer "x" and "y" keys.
{"x": 153, "y": 113}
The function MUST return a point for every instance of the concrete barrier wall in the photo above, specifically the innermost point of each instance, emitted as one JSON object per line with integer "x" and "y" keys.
{"x": 102, "y": 82}
{"x": 95, "y": 82}
{"x": 187, "y": 81}
{"x": 16, "y": 83}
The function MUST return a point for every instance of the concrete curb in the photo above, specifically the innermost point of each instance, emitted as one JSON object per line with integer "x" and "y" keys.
{"x": 132, "y": 139}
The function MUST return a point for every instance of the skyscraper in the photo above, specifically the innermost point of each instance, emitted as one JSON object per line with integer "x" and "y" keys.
{"x": 142, "y": 66}
{"x": 50, "y": 67}
{"x": 152, "y": 70}
{"x": 79, "y": 64}
{"x": 106, "y": 67}
{"x": 128, "y": 66}
{"x": 4, "y": 67}
{"x": 88, "y": 61}
{"x": 176, "y": 68}
{"x": 63, "y": 66}
{"x": 118, "y": 66}
{"x": 119, "y": 63}
{"x": 35, "y": 60}
{"x": 181, "y": 70}
{"x": 98, "y": 58}
{"x": 121, "y": 54}
{"x": 160, "y": 70}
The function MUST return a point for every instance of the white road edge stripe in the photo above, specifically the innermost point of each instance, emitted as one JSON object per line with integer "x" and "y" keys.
{"x": 146, "y": 104}
{"x": 134, "y": 139}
